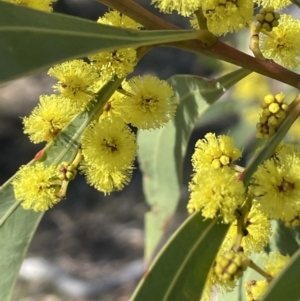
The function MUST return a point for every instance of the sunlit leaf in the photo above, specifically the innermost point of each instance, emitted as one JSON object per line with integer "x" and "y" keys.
{"x": 32, "y": 40}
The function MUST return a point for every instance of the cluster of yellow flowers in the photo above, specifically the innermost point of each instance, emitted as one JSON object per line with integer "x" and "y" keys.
{"x": 213, "y": 175}
{"x": 108, "y": 145}
{"x": 274, "y": 263}
{"x": 45, "y": 5}
{"x": 188, "y": 7}
{"x": 217, "y": 190}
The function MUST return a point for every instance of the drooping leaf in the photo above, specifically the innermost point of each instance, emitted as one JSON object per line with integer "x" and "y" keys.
{"x": 180, "y": 270}
{"x": 18, "y": 225}
{"x": 31, "y": 40}
{"x": 162, "y": 151}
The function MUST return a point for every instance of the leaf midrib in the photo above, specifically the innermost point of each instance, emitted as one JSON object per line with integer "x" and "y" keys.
{"x": 187, "y": 257}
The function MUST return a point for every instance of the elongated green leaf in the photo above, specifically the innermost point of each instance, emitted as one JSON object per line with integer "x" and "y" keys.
{"x": 286, "y": 285}
{"x": 162, "y": 151}
{"x": 180, "y": 270}
{"x": 31, "y": 40}
{"x": 19, "y": 225}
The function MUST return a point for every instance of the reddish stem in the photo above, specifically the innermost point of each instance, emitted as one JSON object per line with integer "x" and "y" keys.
{"x": 219, "y": 50}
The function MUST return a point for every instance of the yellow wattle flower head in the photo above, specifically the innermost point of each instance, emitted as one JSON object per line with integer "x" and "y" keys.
{"x": 224, "y": 16}
{"x": 183, "y": 7}
{"x": 256, "y": 236}
{"x": 277, "y": 4}
{"x": 117, "y": 19}
{"x": 35, "y": 186}
{"x": 45, "y": 5}
{"x": 111, "y": 109}
{"x": 77, "y": 80}
{"x": 109, "y": 144}
{"x": 121, "y": 61}
{"x": 151, "y": 103}
{"x": 255, "y": 289}
{"x": 275, "y": 262}
{"x": 216, "y": 192}
{"x": 107, "y": 179}
{"x": 46, "y": 121}
{"x": 214, "y": 151}
{"x": 108, "y": 148}
{"x": 286, "y": 149}
{"x": 282, "y": 44}
{"x": 276, "y": 185}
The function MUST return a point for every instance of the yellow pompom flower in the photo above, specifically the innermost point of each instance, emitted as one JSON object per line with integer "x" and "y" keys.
{"x": 109, "y": 148}
{"x": 111, "y": 109}
{"x": 259, "y": 289}
{"x": 224, "y": 16}
{"x": 106, "y": 179}
{"x": 109, "y": 144}
{"x": 277, "y": 4}
{"x": 117, "y": 19}
{"x": 216, "y": 192}
{"x": 282, "y": 44}
{"x": 255, "y": 289}
{"x": 52, "y": 114}
{"x": 76, "y": 80}
{"x": 275, "y": 262}
{"x": 183, "y": 7}
{"x": 257, "y": 233}
{"x": 286, "y": 149}
{"x": 214, "y": 151}
{"x": 151, "y": 104}
{"x": 45, "y": 5}
{"x": 276, "y": 186}
{"x": 121, "y": 61}
{"x": 35, "y": 187}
